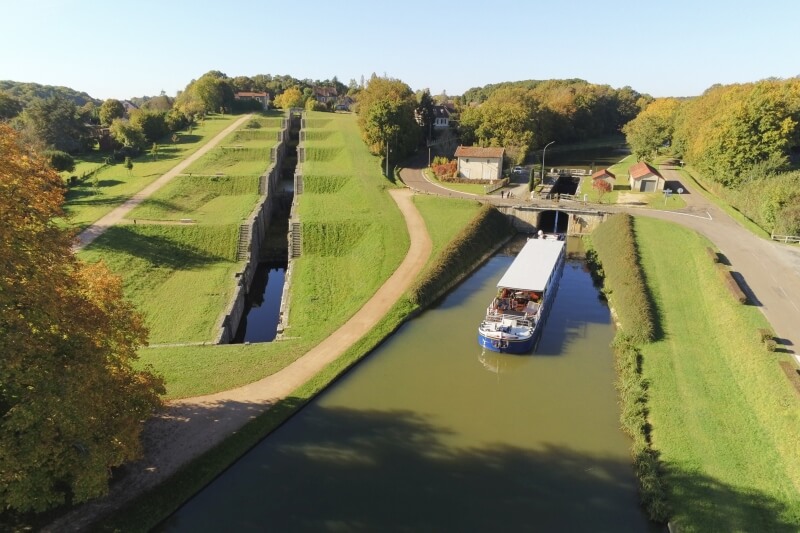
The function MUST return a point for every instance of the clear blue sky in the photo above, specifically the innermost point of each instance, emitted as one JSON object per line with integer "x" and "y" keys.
{"x": 118, "y": 49}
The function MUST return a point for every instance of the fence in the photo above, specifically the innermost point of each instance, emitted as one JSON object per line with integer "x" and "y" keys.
{"x": 786, "y": 238}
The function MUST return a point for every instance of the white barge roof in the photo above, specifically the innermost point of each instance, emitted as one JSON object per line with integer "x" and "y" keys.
{"x": 533, "y": 265}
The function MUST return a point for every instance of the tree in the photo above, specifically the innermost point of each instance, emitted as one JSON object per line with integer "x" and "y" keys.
{"x": 54, "y": 123}
{"x": 425, "y": 113}
{"x": 10, "y": 106}
{"x": 128, "y": 164}
{"x": 152, "y": 123}
{"x": 110, "y": 110}
{"x": 602, "y": 187}
{"x": 291, "y": 97}
{"x": 71, "y": 403}
{"x": 652, "y": 129}
{"x": 386, "y": 115}
{"x": 127, "y": 134}
{"x": 59, "y": 161}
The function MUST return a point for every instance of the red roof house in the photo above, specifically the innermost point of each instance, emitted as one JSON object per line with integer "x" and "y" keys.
{"x": 644, "y": 178}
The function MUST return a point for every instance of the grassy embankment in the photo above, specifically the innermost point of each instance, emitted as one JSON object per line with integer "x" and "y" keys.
{"x": 181, "y": 275}
{"x": 110, "y": 186}
{"x": 707, "y": 394}
{"x": 354, "y": 237}
{"x": 461, "y": 231}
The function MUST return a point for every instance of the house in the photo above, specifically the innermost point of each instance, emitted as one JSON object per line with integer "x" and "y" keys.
{"x": 324, "y": 95}
{"x": 129, "y": 106}
{"x": 644, "y": 178}
{"x": 478, "y": 163}
{"x": 604, "y": 175}
{"x": 263, "y": 98}
{"x": 441, "y": 117}
{"x": 344, "y": 103}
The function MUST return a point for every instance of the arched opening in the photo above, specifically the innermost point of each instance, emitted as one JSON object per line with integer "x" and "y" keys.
{"x": 553, "y": 221}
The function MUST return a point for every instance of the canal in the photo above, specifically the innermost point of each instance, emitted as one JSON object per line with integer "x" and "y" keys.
{"x": 430, "y": 434}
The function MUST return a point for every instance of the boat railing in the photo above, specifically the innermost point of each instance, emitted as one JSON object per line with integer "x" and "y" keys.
{"x": 497, "y": 317}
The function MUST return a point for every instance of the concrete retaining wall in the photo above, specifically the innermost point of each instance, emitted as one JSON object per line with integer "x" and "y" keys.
{"x": 256, "y": 226}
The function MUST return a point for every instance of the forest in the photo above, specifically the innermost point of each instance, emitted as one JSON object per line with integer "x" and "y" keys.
{"x": 743, "y": 140}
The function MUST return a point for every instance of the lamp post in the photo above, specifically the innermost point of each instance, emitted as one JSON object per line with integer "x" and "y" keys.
{"x": 543, "y": 152}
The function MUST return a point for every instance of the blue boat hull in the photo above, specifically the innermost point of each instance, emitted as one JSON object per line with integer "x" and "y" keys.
{"x": 518, "y": 346}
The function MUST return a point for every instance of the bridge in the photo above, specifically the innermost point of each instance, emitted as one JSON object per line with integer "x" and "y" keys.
{"x": 571, "y": 218}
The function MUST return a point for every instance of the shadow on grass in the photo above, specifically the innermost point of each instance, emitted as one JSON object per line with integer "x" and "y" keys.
{"x": 710, "y": 505}
{"x": 157, "y": 249}
{"x": 751, "y": 296}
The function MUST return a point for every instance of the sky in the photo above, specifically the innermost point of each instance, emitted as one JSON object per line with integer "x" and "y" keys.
{"x": 121, "y": 49}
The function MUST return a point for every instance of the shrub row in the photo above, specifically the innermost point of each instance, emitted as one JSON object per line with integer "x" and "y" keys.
{"x": 483, "y": 233}
{"x": 614, "y": 260}
{"x": 615, "y": 245}
{"x": 632, "y": 389}
{"x": 730, "y": 282}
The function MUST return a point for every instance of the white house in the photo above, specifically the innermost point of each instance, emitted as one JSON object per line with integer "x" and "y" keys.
{"x": 477, "y": 163}
{"x": 644, "y": 178}
{"x": 262, "y": 97}
{"x": 441, "y": 117}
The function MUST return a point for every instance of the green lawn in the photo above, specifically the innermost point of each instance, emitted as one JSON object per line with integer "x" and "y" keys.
{"x": 177, "y": 253}
{"x": 354, "y": 237}
{"x": 723, "y": 414}
{"x": 95, "y": 197}
{"x": 471, "y": 188}
{"x": 444, "y": 218}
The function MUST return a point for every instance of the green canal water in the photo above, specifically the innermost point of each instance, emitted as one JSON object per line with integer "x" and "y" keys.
{"x": 430, "y": 434}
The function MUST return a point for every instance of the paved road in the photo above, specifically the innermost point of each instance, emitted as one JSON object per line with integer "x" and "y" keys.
{"x": 770, "y": 270}
{"x": 88, "y": 235}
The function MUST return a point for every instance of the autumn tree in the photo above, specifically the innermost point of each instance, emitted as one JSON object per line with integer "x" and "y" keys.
{"x": 652, "y": 128}
{"x": 71, "y": 403}
{"x": 291, "y": 97}
{"x": 386, "y": 117}
{"x": 507, "y": 118}
{"x": 602, "y": 187}
{"x": 111, "y": 109}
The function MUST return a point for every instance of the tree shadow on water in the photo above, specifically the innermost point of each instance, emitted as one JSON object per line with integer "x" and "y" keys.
{"x": 340, "y": 469}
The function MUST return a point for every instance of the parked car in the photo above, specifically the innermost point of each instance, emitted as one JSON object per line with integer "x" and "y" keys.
{"x": 518, "y": 170}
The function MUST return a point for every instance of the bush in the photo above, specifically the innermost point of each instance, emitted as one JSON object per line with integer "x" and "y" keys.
{"x": 253, "y": 124}
{"x": 615, "y": 246}
{"x": 467, "y": 248}
{"x": 60, "y": 161}
{"x": 731, "y": 284}
{"x": 444, "y": 170}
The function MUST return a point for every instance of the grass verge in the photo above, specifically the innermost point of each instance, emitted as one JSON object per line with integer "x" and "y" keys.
{"x": 712, "y": 417}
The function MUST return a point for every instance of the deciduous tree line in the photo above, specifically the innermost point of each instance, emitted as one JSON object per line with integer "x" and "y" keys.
{"x": 742, "y": 138}
{"x": 521, "y": 116}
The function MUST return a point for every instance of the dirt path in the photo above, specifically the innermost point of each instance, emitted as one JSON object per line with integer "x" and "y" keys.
{"x": 98, "y": 228}
{"x": 192, "y": 426}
